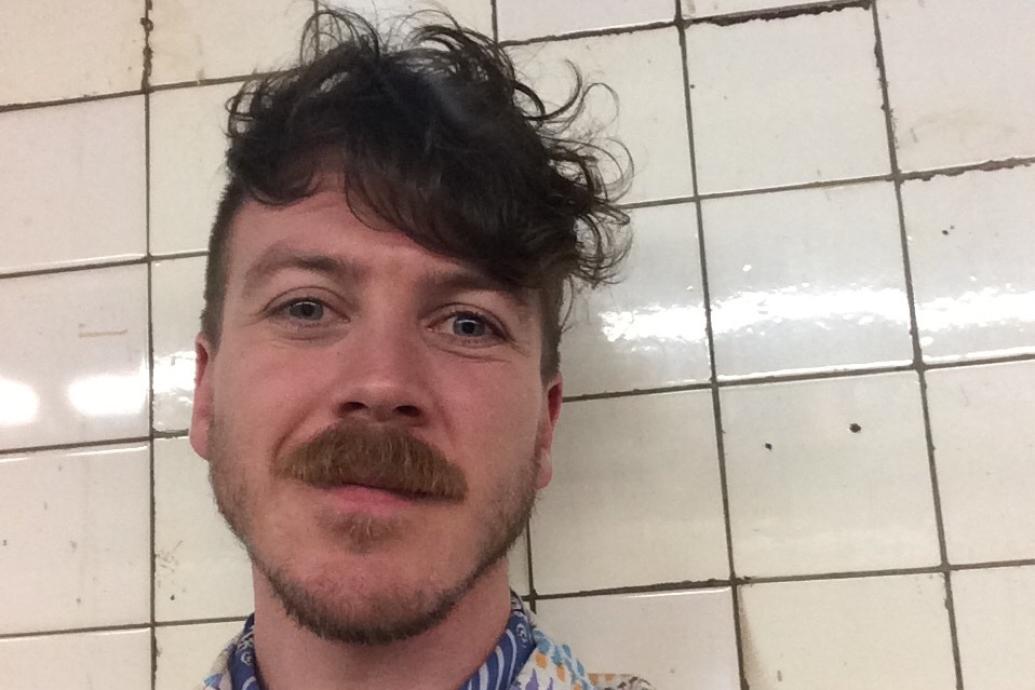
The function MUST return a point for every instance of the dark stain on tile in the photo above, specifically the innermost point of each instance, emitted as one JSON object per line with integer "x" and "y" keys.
{"x": 769, "y": 446}
{"x": 855, "y": 428}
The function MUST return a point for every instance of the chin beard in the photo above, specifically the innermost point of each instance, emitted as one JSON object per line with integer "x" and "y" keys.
{"x": 322, "y": 605}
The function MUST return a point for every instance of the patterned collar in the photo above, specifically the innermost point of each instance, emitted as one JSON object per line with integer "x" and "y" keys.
{"x": 513, "y": 649}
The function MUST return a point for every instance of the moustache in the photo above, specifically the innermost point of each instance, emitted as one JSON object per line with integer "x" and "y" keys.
{"x": 377, "y": 457}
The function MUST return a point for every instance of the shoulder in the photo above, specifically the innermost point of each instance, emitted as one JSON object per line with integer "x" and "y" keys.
{"x": 554, "y": 666}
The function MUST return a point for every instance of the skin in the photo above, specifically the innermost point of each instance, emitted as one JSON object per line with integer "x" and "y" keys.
{"x": 386, "y": 346}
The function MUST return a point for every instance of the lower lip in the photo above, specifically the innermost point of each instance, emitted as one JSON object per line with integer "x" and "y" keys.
{"x": 364, "y": 497}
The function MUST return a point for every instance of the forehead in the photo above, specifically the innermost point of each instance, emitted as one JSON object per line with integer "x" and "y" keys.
{"x": 321, "y": 233}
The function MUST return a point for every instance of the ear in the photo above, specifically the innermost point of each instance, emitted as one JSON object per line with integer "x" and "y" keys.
{"x": 201, "y": 415}
{"x": 553, "y": 394}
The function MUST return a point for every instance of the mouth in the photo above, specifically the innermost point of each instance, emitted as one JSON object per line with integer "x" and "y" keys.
{"x": 358, "y": 497}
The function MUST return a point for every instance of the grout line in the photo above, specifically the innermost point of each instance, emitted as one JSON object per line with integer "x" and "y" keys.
{"x": 785, "y": 12}
{"x": 78, "y": 445}
{"x": 815, "y": 184}
{"x": 13, "y": 107}
{"x": 112, "y": 263}
{"x": 587, "y": 33}
{"x": 495, "y": 21}
{"x": 145, "y": 85}
{"x": 75, "y": 631}
{"x": 215, "y": 81}
{"x": 720, "y": 446}
{"x": 200, "y": 621}
{"x": 917, "y": 349}
{"x": 956, "y": 170}
{"x": 989, "y": 565}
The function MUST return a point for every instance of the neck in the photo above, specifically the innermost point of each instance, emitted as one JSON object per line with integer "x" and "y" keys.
{"x": 442, "y": 658}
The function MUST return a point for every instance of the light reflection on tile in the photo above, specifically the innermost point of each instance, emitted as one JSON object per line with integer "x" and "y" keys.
{"x": 807, "y": 280}
{"x": 971, "y": 249}
{"x": 649, "y": 330}
{"x": 177, "y": 287}
{"x": 79, "y": 365}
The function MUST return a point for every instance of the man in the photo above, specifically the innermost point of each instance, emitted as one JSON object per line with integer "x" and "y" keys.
{"x": 377, "y": 374}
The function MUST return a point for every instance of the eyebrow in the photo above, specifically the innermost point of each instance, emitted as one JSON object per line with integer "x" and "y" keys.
{"x": 276, "y": 259}
{"x": 341, "y": 270}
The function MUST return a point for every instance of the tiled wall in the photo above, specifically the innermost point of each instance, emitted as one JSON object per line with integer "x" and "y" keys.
{"x": 799, "y": 450}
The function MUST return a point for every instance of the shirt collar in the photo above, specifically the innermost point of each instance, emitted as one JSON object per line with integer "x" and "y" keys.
{"x": 501, "y": 667}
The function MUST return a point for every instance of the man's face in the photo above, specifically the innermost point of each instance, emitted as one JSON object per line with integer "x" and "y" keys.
{"x": 332, "y": 327}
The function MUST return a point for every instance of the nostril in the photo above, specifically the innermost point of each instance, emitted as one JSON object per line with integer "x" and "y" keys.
{"x": 353, "y": 406}
{"x": 408, "y": 410}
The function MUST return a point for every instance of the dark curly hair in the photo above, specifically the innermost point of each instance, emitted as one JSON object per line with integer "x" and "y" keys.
{"x": 435, "y": 134}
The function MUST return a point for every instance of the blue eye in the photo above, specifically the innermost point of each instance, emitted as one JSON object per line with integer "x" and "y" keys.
{"x": 306, "y": 310}
{"x": 469, "y": 325}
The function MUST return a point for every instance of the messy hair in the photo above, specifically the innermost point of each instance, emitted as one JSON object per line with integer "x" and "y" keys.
{"x": 433, "y": 133}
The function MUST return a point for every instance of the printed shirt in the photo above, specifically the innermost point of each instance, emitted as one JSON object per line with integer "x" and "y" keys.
{"x": 525, "y": 658}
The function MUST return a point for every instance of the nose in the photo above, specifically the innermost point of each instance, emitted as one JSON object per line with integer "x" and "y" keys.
{"x": 383, "y": 376}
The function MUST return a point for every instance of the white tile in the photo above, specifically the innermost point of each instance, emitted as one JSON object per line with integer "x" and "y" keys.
{"x": 650, "y": 117}
{"x": 807, "y": 280}
{"x": 957, "y": 76}
{"x": 857, "y": 634}
{"x": 706, "y": 8}
{"x": 971, "y": 250}
{"x": 74, "y": 539}
{"x": 984, "y": 438}
{"x": 649, "y": 330}
{"x": 187, "y": 171}
{"x": 194, "y": 39}
{"x": 201, "y": 571}
{"x": 786, "y": 101}
{"x": 60, "y": 49}
{"x": 186, "y": 653}
{"x": 635, "y": 497}
{"x": 528, "y": 18}
{"x": 110, "y": 660}
{"x": 176, "y": 296}
{"x": 995, "y": 621}
{"x": 676, "y": 641}
{"x": 828, "y": 476}
{"x": 74, "y": 365}
{"x": 473, "y": 14}
{"x": 73, "y": 180}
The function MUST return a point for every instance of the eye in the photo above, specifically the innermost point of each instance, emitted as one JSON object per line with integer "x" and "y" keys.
{"x": 468, "y": 325}
{"x": 305, "y": 309}
{"x": 472, "y": 327}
